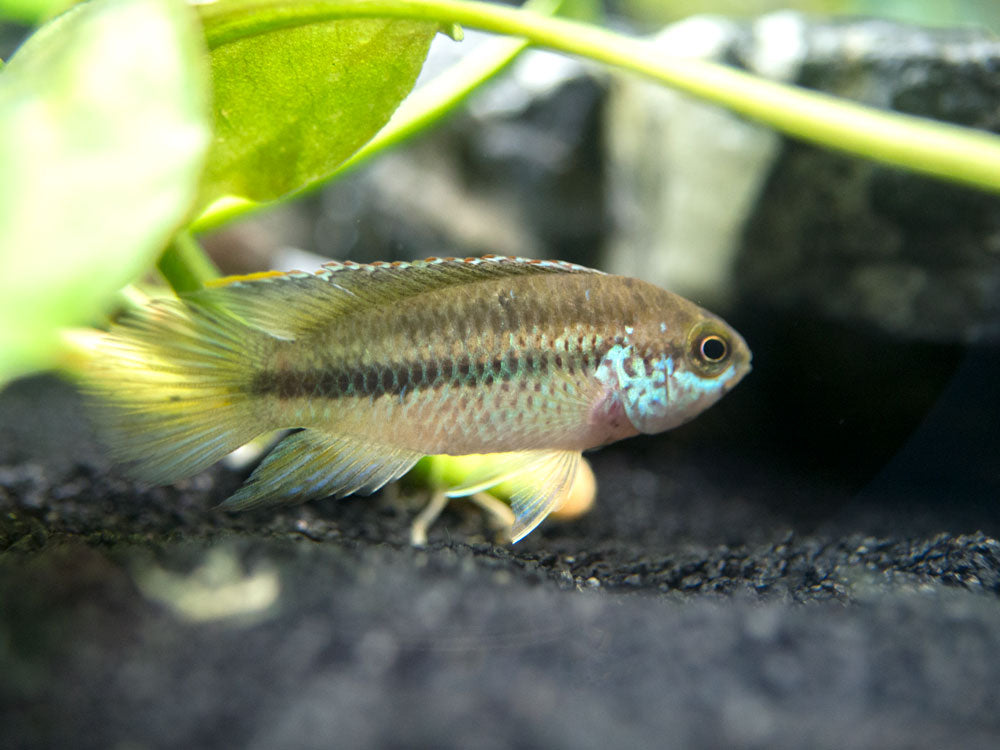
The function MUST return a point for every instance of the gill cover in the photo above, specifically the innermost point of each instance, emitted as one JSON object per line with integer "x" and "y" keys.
{"x": 672, "y": 386}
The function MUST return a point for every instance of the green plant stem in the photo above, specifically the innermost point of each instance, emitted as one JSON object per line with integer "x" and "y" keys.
{"x": 185, "y": 265}
{"x": 930, "y": 147}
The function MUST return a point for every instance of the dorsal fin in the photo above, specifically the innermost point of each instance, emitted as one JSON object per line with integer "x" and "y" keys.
{"x": 287, "y": 305}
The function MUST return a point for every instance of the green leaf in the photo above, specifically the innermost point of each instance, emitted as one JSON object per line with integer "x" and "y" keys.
{"x": 291, "y": 104}
{"x": 424, "y": 107}
{"x": 104, "y": 124}
{"x": 31, "y": 11}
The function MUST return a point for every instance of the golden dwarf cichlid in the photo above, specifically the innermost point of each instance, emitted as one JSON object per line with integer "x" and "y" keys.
{"x": 381, "y": 364}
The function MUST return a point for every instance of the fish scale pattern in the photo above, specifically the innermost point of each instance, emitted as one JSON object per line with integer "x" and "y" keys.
{"x": 380, "y": 364}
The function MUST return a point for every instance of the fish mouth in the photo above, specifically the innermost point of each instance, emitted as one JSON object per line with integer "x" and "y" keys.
{"x": 737, "y": 376}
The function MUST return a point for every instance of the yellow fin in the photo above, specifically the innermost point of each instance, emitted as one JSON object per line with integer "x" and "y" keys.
{"x": 310, "y": 464}
{"x": 541, "y": 480}
{"x": 490, "y": 469}
{"x": 167, "y": 388}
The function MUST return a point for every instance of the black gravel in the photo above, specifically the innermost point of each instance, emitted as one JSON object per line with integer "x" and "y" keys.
{"x": 785, "y": 572}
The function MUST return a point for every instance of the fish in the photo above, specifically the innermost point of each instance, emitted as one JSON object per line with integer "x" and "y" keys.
{"x": 376, "y": 365}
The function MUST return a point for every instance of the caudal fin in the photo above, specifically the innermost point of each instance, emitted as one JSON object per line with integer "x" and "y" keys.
{"x": 168, "y": 387}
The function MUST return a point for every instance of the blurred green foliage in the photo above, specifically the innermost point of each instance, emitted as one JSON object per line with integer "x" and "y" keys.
{"x": 103, "y": 132}
{"x": 32, "y": 11}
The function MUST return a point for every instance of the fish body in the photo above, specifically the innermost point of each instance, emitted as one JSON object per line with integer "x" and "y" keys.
{"x": 380, "y": 364}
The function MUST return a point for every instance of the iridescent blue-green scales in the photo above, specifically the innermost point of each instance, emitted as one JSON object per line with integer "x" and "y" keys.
{"x": 381, "y": 364}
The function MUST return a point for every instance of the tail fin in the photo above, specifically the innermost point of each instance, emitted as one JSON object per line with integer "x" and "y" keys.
{"x": 168, "y": 387}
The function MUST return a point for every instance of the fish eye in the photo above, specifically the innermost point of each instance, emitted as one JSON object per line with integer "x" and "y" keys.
{"x": 709, "y": 349}
{"x": 713, "y": 348}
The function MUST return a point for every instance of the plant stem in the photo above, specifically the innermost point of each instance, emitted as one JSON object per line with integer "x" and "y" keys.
{"x": 185, "y": 265}
{"x": 934, "y": 148}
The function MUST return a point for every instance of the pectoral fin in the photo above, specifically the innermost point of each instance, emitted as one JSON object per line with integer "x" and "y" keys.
{"x": 309, "y": 464}
{"x": 540, "y": 481}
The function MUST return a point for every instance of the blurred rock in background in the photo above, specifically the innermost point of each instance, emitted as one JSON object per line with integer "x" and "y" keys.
{"x": 716, "y": 208}
{"x": 684, "y": 176}
{"x": 853, "y": 241}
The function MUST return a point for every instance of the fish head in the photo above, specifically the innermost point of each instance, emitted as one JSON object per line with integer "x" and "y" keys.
{"x": 673, "y": 363}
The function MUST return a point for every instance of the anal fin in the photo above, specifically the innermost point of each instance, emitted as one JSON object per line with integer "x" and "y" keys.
{"x": 540, "y": 481}
{"x": 310, "y": 464}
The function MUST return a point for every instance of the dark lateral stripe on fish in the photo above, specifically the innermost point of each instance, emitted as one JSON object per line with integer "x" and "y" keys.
{"x": 399, "y": 377}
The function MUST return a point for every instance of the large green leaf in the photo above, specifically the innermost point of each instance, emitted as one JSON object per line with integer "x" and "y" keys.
{"x": 104, "y": 124}
{"x": 291, "y": 104}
